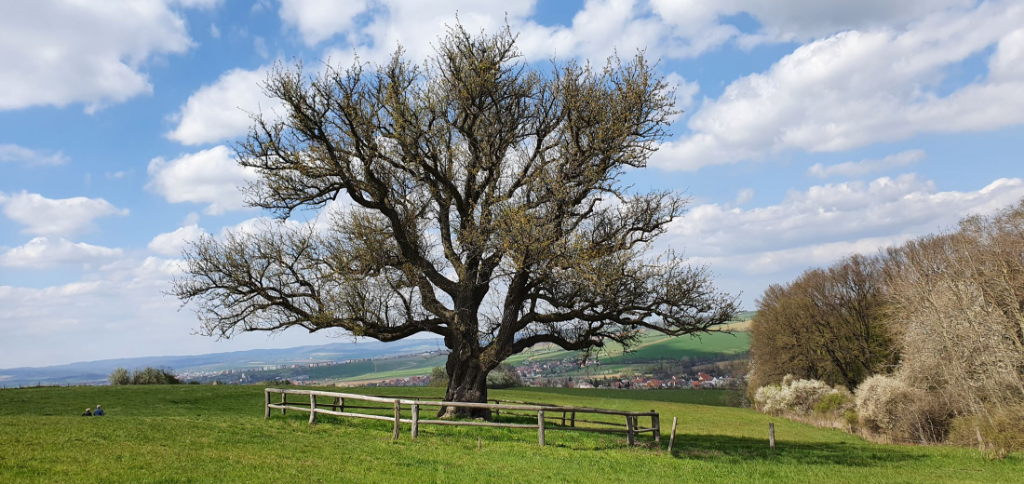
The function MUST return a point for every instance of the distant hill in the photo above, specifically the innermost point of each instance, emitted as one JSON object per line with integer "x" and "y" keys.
{"x": 97, "y": 371}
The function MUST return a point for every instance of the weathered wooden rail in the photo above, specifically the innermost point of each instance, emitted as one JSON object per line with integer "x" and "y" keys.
{"x": 341, "y": 403}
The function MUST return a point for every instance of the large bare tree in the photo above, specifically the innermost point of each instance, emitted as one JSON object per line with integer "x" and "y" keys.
{"x": 483, "y": 205}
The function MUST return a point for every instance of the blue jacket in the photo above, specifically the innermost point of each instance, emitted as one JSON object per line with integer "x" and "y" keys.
{"x": 98, "y": 412}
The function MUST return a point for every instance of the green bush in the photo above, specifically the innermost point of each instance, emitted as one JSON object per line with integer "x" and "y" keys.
{"x": 504, "y": 376}
{"x": 998, "y": 435}
{"x": 851, "y": 418}
{"x": 120, "y": 376}
{"x": 438, "y": 377}
{"x": 833, "y": 402}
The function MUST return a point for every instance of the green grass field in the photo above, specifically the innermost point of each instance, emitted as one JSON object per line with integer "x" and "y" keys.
{"x": 192, "y": 433}
{"x": 653, "y": 347}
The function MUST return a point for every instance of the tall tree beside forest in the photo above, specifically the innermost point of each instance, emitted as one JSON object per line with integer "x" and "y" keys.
{"x": 828, "y": 324}
{"x": 486, "y": 208}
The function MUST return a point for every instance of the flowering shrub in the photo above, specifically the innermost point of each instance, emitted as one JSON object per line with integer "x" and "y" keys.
{"x": 802, "y": 397}
{"x": 888, "y": 406}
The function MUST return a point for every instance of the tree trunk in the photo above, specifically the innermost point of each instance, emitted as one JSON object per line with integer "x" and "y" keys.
{"x": 467, "y": 382}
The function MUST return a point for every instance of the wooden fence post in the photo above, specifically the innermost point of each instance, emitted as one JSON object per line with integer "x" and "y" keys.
{"x": 563, "y": 418}
{"x": 312, "y": 409}
{"x": 573, "y": 421}
{"x": 284, "y": 401}
{"x": 771, "y": 435}
{"x": 266, "y": 403}
{"x": 629, "y": 429}
{"x": 540, "y": 427}
{"x": 415, "y": 420}
{"x": 672, "y": 439}
{"x": 656, "y": 423}
{"x": 342, "y": 404}
{"x": 398, "y": 415}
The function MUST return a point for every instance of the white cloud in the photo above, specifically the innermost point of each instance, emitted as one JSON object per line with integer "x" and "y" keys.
{"x": 214, "y": 31}
{"x": 58, "y": 52}
{"x": 852, "y": 169}
{"x": 745, "y": 195}
{"x": 373, "y": 29}
{"x": 172, "y": 243}
{"x": 19, "y": 154}
{"x": 685, "y": 90}
{"x": 203, "y": 4}
{"x": 117, "y": 310}
{"x": 413, "y": 24}
{"x": 794, "y": 20}
{"x": 47, "y": 216}
{"x": 319, "y": 20}
{"x": 665, "y": 28}
{"x": 47, "y": 252}
{"x": 829, "y": 220}
{"x": 220, "y": 111}
{"x": 260, "y": 45}
{"x": 210, "y": 176}
{"x": 858, "y": 88}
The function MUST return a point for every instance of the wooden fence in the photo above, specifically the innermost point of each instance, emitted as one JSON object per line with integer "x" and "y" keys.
{"x": 341, "y": 405}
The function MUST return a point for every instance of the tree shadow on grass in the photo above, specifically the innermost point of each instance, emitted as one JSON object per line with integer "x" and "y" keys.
{"x": 706, "y": 397}
{"x": 701, "y": 447}
{"x": 724, "y": 447}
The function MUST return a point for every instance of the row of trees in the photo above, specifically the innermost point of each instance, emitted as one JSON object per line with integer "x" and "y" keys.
{"x": 929, "y": 334}
{"x": 143, "y": 376}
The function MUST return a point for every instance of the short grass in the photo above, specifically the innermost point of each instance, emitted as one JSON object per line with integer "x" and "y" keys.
{"x": 195, "y": 433}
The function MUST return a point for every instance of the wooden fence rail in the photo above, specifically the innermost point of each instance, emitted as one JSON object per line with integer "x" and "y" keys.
{"x": 568, "y": 419}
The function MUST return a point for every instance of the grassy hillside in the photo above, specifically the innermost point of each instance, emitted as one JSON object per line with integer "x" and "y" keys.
{"x": 217, "y": 434}
{"x": 653, "y": 346}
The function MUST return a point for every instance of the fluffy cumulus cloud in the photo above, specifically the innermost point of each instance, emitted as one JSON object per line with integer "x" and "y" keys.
{"x": 852, "y": 169}
{"x": 791, "y": 20}
{"x": 826, "y": 222}
{"x": 48, "y": 216}
{"x": 319, "y": 20}
{"x": 210, "y": 177}
{"x": 861, "y": 87}
{"x": 48, "y": 252}
{"x": 68, "y": 317}
{"x": 19, "y": 154}
{"x": 172, "y": 243}
{"x": 669, "y": 29}
{"x": 221, "y": 110}
{"x": 666, "y": 28}
{"x": 58, "y": 52}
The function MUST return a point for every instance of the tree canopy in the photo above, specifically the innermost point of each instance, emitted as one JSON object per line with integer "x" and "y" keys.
{"x": 482, "y": 203}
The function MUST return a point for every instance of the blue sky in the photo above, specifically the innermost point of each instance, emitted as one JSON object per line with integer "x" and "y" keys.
{"x": 813, "y": 129}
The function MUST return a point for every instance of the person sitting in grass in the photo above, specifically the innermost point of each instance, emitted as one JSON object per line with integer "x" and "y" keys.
{"x": 98, "y": 412}
{"x": 88, "y": 413}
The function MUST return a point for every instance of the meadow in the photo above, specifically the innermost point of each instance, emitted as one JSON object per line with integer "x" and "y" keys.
{"x": 202, "y": 433}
